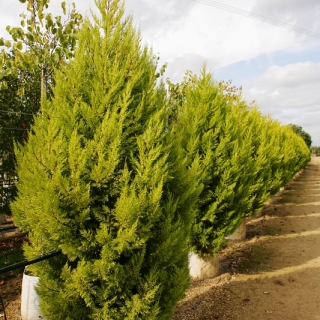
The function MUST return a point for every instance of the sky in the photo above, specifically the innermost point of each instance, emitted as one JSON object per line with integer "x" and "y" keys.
{"x": 277, "y": 67}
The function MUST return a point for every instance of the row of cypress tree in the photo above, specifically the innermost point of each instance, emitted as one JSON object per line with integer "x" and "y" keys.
{"x": 125, "y": 177}
{"x": 244, "y": 157}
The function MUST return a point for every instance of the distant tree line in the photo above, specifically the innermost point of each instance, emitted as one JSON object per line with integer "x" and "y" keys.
{"x": 315, "y": 150}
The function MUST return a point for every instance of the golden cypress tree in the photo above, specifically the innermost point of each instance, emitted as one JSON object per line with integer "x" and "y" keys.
{"x": 99, "y": 181}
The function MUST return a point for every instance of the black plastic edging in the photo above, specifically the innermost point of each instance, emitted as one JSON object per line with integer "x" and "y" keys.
{"x": 8, "y": 228}
{"x": 26, "y": 263}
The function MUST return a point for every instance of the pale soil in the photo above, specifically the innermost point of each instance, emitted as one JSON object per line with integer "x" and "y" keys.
{"x": 275, "y": 273}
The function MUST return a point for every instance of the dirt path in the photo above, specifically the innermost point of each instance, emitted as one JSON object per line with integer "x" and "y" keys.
{"x": 275, "y": 273}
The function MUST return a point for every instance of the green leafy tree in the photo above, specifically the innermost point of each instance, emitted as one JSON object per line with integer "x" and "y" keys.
{"x": 315, "y": 150}
{"x": 16, "y": 118}
{"x": 100, "y": 181}
{"x": 41, "y": 44}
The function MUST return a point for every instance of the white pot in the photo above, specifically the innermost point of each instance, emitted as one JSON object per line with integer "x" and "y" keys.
{"x": 203, "y": 267}
{"x": 29, "y": 298}
{"x": 240, "y": 233}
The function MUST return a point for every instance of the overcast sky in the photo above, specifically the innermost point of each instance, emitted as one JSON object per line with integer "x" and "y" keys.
{"x": 277, "y": 67}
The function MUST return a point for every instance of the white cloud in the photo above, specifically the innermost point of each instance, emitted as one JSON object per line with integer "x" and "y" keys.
{"x": 290, "y": 94}
{"x": 254, "y": 91}
{"x": 275, "y": 93}
{"x": 292, "y": 75}
{"x": 297, "y": 12}
{"x": 179, "y": 28}
{"x": 158, "y": 17}
{"x": 176, "y": 28}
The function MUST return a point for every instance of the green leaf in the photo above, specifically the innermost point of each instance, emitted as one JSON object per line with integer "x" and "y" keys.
{"x": 3, "y": 85}
{"x": 21, "y": 91}
{"x": 63, "y": 6}
{"x": 26, "y": 64}
{"x": 19, "y": 45}
{"x": 30, "y": 37}
{"x": 7, "y": 43}
{"x": 49, "y": 20}
{"x": 55, "y": 57}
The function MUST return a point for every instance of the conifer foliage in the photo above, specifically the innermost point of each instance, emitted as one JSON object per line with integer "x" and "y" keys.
{"x": 207, "y": 127}
{"x": 243, "y": 157}
{"x": 99, "y": 181}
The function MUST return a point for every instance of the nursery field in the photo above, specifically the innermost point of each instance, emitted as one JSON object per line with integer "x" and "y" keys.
{"x": 274, "y": 274}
